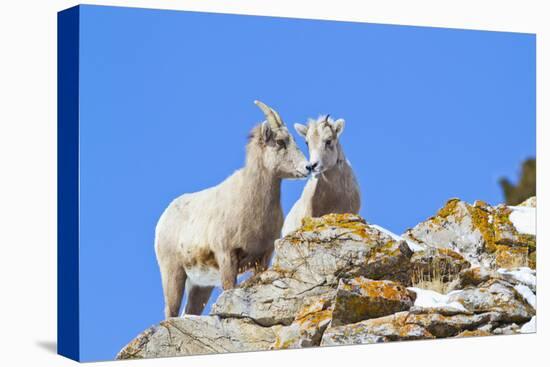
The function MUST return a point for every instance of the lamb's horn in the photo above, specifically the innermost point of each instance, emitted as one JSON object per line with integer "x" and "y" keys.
{"x": 273, "y": 117}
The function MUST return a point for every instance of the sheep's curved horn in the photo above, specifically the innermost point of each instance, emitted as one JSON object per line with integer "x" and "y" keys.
{"x": 273, "y": 117}
{"x": 279, "y": 119}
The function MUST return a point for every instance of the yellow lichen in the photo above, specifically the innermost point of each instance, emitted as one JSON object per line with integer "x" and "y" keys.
{"x": 511, "y": 257}
{"x": 353, "y": 222}
{"x": 481, "y": 221}
{"x": 448, "y": 209}
{"x": 533, "y": 259}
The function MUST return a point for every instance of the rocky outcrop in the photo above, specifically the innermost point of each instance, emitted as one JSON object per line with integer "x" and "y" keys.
{"x": 483, "y": 234}
{"x": 466, "y": 271}
{"x": 310, "y": 262}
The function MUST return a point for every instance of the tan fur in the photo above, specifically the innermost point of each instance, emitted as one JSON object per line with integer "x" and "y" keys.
{"x": 208, "y": 237}
{"x": 333, "y": 187}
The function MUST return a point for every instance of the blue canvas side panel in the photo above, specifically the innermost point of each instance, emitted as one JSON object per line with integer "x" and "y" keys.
{"x": 67, "y": 183}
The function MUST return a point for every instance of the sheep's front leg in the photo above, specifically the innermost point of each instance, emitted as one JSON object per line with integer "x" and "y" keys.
{"x": 229, "y": 264}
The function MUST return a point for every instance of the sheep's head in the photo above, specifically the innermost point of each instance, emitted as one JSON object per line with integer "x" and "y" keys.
{"x": 280, "y": 153}
{"x": 322, "y": 140}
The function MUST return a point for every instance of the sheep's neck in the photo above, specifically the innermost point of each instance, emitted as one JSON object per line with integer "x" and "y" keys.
{"x": 331, "y": 193}
{"x": 263, "y": 185}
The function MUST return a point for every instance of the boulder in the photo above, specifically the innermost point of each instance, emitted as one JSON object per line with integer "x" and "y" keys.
{"x": 198, "y": 335}
{"x": 308, "y": 327}
{"x": 495, "y": 296}
{"x": 387, "y": 328}
{"x": 405, "y": 326}
{"x": 443, "y": 326}
{"x": 507, "y": 329}
{"x": 270, "y": 298}
{"x": 309, "y": 262}
{"x": 361, "y": 298}
{"x": 341, "y": 245}
{"x": 483, "y": 234}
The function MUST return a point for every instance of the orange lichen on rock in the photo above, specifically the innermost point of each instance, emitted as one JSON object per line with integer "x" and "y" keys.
{"x": 511, "y": 257}
{"x": 308, "y": 327}
{"x": 353, "y": 222}
{"x": 481, "y": 220}
{"x": 360, "y": 298}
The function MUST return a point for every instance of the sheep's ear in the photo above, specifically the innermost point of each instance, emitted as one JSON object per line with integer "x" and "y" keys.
{"x": 266, "y": 132}
{"x": 339, "y": 126}
{"x": 301, "y": 129}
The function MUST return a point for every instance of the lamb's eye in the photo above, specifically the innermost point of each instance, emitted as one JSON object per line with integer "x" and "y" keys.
{"x": 307, "y": 143}
{"x": 328, "y": 143}
{"x": 281, "y": 144}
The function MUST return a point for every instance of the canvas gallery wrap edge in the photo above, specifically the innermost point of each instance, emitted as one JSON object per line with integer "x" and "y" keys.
{"x": 232, "y": 183}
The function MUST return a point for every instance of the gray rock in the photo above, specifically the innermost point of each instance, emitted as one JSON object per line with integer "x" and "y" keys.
{"x": 405, "y": 326}
{"x": 442, "y": 326}
{"x": 509, "y": 329}
{"x": 361, "y": 298}
{"x": 453, "y": 228}
{"x": 495, "y": 296}
{"x": 309, "y": 325}
{"x": 341, "y": 245}
{"x": 388, "y": 328}
{"x": 336, "y": 336}
{"x": 484, "y": 235}
{"x": 309, "y": 262}
{"x": 198, "y": 335}
{"x": 270, "y": 299}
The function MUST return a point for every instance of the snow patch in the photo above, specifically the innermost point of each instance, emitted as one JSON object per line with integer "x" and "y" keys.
{"x": 431, "y": 299}
{"x": 523, "y": 275}
{"x": 527, "y": 294}
{"x": 529, "y": 327}
{"x": 415, "y": 247}
{"x": 524, "y": 219}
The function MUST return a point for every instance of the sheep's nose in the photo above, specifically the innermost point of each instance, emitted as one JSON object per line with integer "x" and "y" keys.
{"x": 311, "y": 167}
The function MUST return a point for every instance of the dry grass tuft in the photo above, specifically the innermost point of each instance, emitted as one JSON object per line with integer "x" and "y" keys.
{"x": 436, "y": 277}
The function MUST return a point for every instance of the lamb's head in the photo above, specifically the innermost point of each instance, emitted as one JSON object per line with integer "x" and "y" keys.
{"x": 278, "y": 149}
{"x": 322, "y": 140}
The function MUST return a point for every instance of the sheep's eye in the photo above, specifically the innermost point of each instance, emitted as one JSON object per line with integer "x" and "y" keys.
{"x": 328, "y": 142}
{"x": 307, "y": 143}
{"x": 281, "y": 144}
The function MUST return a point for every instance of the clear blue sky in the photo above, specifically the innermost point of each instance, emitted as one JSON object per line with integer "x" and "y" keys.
{"x": 166, "y": 105}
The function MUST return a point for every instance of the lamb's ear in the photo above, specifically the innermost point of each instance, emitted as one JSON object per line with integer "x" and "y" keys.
{"x": 339, "y": 126}
{"x": 301, "y": 129}
{"x": 266, "y": 131}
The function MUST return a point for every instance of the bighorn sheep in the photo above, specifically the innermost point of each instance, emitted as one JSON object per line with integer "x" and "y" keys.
{"x": 332, "y": 187}
{"x": 205, "y": 239}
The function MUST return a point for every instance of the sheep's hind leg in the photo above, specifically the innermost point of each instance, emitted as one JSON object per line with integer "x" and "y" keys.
{"x": 197, "y": 298}
{"x": 173, "y": 285}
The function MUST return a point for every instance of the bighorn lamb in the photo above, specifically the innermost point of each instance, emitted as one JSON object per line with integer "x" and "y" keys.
{"x": 205, "y": 239}
{"x": 332, "y": 187}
